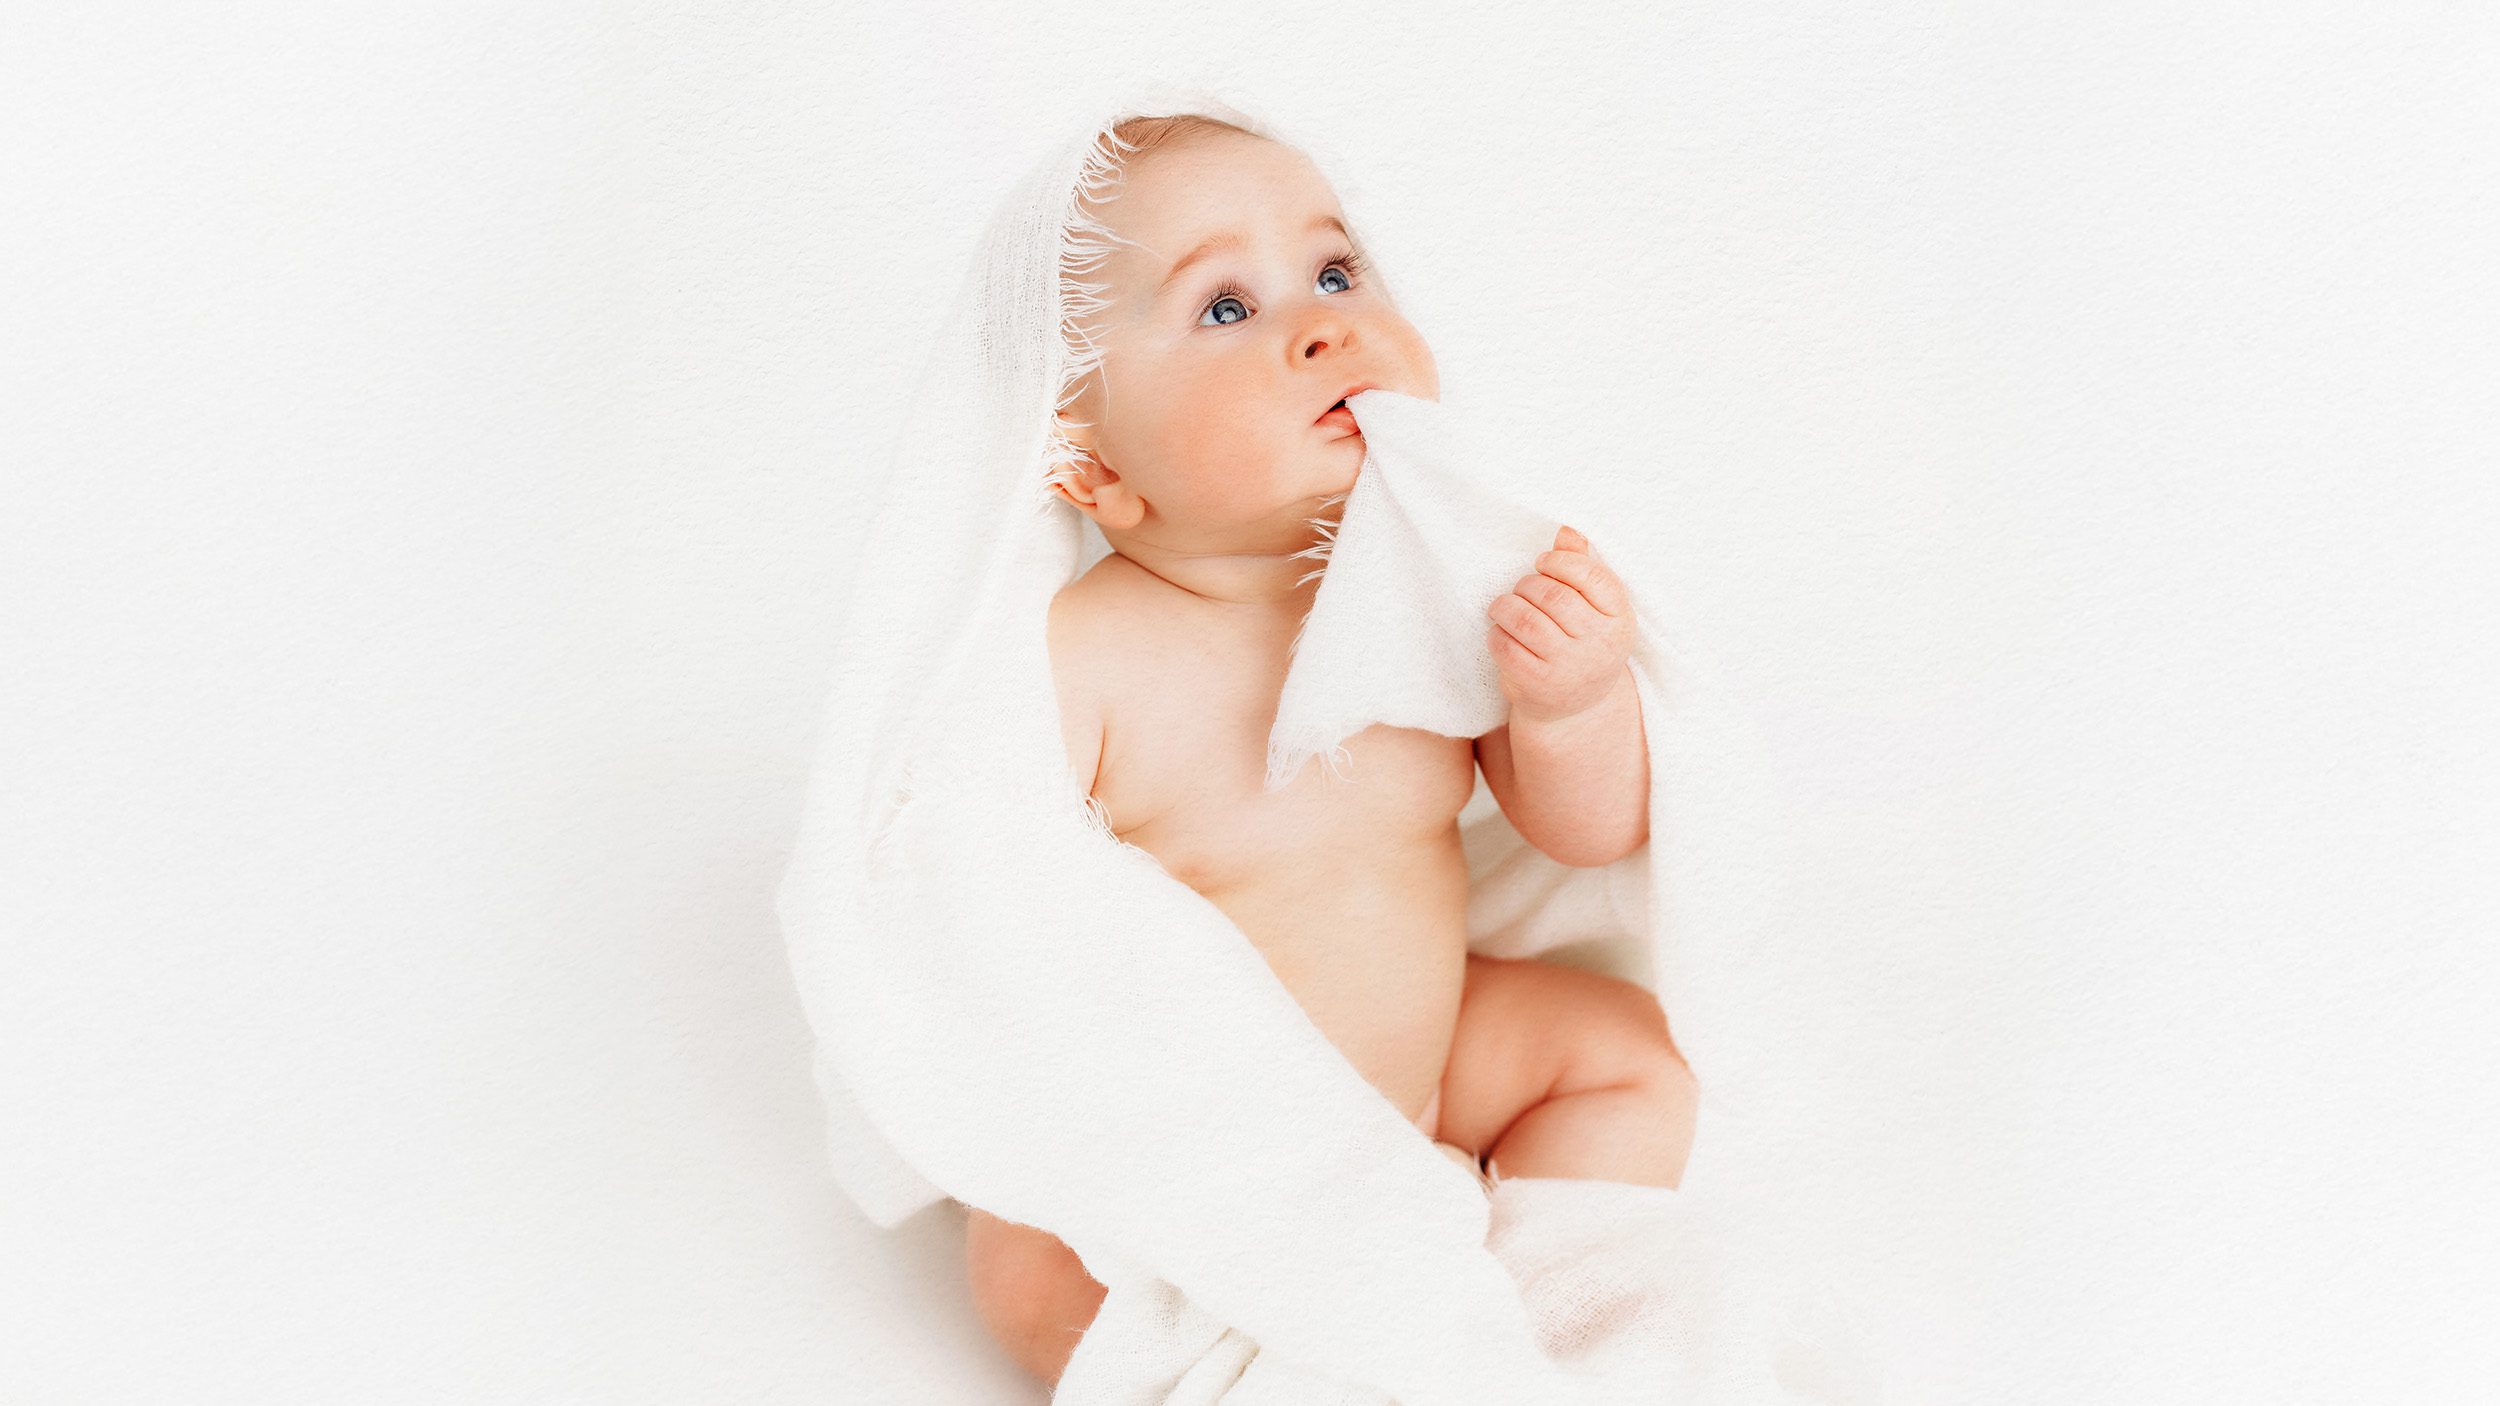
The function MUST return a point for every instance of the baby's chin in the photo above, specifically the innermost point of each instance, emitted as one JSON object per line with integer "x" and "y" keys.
{"x": 1288, "y": 526}
{"x": 1353, "y": 468}
{"x": 1330, "y": 506}
{"x": 1331, "y": 485}
{"x": 1326, "y": 508}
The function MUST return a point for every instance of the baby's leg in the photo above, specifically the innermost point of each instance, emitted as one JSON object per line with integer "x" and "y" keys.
{"x": 1557, "y": 1072}
{"x": 1032, "y": 1291}
{"x": 1430, "y": 1124}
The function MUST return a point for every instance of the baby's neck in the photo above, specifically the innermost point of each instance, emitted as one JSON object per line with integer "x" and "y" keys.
{"x": 1255, "y": 578}
{"x": 1248, "y": 581}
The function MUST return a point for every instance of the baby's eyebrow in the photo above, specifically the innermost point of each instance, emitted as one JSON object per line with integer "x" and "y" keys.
{"x": 1230, "y": 240}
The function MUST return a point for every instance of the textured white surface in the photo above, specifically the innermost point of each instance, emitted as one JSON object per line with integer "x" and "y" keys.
{"x": 423, "y": 438}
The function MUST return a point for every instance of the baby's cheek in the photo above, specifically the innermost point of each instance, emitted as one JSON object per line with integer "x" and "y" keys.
{"x": 1427, "y": 371}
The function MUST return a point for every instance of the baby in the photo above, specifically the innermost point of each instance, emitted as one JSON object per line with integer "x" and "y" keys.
{"x": 1239, "y": 314}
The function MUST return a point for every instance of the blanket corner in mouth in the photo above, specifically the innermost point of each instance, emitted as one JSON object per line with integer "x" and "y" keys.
{"x": 1018, "y": 1010}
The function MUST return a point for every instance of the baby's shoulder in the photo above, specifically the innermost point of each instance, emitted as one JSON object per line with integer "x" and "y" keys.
{"x": 1086, "y": 661}
{"x": 1113, "y": 633}
{"x": 1080, "y": 619}
{"x": 1099, "y": 619}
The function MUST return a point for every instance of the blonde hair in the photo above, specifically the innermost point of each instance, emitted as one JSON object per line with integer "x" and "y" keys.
{"x": 1085, "y": 242}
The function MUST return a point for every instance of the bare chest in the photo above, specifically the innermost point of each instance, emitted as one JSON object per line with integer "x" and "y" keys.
{"x": 1184, "y": 765}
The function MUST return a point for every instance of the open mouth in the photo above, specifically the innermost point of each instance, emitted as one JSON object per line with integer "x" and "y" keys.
{"x": 1339, "y": 416}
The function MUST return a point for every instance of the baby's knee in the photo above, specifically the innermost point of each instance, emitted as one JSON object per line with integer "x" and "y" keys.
{"x": 1624, "y": 1036}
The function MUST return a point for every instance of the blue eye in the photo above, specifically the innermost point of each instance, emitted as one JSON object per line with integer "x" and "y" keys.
{"x": 1347, "y": 266}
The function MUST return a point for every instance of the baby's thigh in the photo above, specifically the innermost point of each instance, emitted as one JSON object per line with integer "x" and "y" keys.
{"x": 1529, "y": 1031}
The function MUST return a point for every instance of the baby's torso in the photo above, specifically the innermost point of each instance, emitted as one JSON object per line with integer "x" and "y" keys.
{"x": 1354, "y": 890}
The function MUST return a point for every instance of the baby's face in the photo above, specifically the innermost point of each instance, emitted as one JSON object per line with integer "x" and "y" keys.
{"x": 1220, "y": 360}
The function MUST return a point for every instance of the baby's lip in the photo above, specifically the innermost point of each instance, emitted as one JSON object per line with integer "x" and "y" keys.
{"x": 1351, "y": 392}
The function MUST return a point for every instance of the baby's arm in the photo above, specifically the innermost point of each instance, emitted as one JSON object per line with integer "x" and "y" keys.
{"x": 1571, "y": 767}
{"x": 1577, "y": 788}
{"x": 1073, "y": 669}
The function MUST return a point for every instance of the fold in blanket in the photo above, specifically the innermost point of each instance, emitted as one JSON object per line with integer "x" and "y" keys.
{"x": 1641, "y": 1300}
{"x": 1016, "y": 1009}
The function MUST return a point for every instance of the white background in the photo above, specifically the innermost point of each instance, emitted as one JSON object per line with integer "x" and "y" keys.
{"x": 2071, "y": 429}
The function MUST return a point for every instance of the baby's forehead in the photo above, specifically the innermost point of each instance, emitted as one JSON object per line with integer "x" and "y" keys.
{"x": 1170, "y": 201}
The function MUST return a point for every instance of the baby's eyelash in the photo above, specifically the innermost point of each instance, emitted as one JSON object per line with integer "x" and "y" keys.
{"x": 1354, "y": 264}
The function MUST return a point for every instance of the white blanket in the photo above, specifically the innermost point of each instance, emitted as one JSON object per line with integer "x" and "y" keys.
{"x": 1016, "y": 1009}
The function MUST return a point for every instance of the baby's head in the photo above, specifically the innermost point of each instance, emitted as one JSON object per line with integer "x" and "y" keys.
{"x": 1229, "y": 308}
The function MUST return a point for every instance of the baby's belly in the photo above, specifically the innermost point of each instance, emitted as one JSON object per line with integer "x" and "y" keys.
{"x": 1371, "y": 940}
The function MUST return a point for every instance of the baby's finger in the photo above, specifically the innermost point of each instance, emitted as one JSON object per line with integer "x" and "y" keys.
{"x": 1565, "y": 604}
{"x": 1529, "y": 625}
{"x": 1509, "y": 654}
{"x": 1592, "y": 578}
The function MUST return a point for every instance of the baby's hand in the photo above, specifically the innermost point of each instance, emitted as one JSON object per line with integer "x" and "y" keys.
{"x": 1560, "y": 638}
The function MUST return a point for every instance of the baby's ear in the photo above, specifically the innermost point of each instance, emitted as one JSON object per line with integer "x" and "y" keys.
{"x": 1101, "y": 494}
